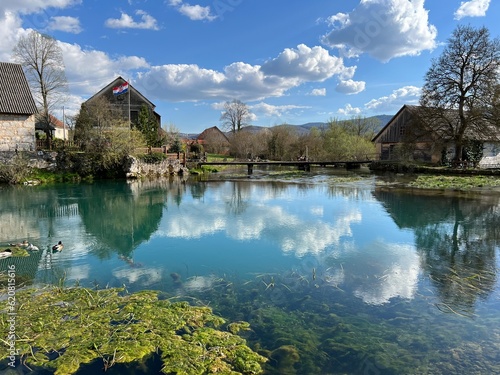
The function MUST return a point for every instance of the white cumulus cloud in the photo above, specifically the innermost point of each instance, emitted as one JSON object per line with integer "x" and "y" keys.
{"x": 270, "y": 110}
{"x": 304, "y": 63}
{"x": 473, "y": 8}
{"x": 349, "y": 111}
{"x": 399, "y": 97}
{"x": 350, "y": 87}
{"x": 193, "y": 12}
{"x": 66, "y": 24}
{"x": 292, "y": 67}
{"x": 318, "y": 92}
{"x": 127, "y": 22}
{"x": 49, "y": 8}
{"x": 384, "y": 29}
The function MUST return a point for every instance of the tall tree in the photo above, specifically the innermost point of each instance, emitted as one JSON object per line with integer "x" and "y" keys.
{"x": 235, "y": 116}
{"x": 42, "y": 59}
{"x": 173, "y": 138}
{"x": 459, "y": 91}
{"x": 147, "y": 125}
{"x": 106, "y": 137}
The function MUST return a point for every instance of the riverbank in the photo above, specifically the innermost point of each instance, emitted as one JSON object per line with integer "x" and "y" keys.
{"x": 397, "y": 167}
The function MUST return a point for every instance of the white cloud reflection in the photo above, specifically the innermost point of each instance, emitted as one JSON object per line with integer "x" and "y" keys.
{"x": 385, "y": 271}
{"x": 144, "y": 276}
{"x": 295, "y": 233}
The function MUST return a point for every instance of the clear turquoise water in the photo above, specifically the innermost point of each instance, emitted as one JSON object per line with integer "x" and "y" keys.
{"x": 357, "y": 277}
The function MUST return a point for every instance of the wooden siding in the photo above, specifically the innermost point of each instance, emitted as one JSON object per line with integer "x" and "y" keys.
{"x": 395, "y": 129}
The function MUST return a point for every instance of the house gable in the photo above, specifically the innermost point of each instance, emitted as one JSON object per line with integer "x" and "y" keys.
{"x": 17, "y": 110}
{"x": 214, "y": 140}
{"x": 407, "y": 126}
{"x": 213, "y": 132}
{"x": 394, "y": 130}
{"x": 122, "y": 101}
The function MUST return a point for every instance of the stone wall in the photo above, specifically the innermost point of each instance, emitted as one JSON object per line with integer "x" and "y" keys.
{"x": 167, "y": 167}
{"x": 135, "y": 169}
{"x": 17, "y": 132}
{"x": 40, "y": 159}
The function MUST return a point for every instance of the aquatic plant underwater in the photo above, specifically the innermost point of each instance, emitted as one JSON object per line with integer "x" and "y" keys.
{"x": 65, "y": 328}
{"x": 294, "y": 323}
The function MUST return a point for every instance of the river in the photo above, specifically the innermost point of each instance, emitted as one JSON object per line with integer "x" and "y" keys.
{"x": 336, "y": 273}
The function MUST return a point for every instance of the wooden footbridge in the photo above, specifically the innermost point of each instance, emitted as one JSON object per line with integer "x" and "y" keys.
{"x": 301, "y": 164}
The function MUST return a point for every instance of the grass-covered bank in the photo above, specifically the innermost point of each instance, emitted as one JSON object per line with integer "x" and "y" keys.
{"x": 430, "y": 177}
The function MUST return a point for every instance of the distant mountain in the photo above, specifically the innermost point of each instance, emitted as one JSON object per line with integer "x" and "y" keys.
{"x": 300, "y": 129}
{"x": 384, "y": 119}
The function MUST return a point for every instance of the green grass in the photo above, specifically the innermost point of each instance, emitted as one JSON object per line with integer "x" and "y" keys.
{"x": 47, "y": 177}
{"x": 454, "y": 182}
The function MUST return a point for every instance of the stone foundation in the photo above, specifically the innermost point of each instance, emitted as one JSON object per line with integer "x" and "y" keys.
{"x": 167, "y": 167}
{"x": 40, "y": 159}
{"x": 136, "y": 168}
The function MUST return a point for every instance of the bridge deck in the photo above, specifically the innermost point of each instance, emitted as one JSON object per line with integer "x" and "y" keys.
{"x": 304, "y": 165}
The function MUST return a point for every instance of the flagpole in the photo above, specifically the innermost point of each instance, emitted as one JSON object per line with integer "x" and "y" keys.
{"x": 129, "y": 120}
{"x": 64, "y": 126}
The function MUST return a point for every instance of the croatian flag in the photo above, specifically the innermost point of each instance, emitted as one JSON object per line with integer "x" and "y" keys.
{"x": 122, "y": 89}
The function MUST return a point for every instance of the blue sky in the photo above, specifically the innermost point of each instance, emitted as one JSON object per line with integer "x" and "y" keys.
{"x": 290, "y": 61}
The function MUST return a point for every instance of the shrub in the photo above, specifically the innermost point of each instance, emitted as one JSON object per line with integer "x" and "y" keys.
{"x": 16, "y": 170}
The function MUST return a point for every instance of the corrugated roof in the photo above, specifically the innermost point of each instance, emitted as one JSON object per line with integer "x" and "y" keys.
{"x": 15, "y": 94}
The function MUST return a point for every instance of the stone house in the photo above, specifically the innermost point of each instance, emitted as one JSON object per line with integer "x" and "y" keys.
{"x": 17, "y": 110}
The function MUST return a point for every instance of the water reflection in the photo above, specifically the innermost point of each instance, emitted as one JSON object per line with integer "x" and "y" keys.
{"x": 457, "y": 240}
{"x": 261, "y": 211}
{"x": 352, "y": 275}
{"x": 119, "y": 220}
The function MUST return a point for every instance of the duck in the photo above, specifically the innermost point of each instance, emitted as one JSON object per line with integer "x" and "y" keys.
{"x": 58, "y": 247}
{"x": 6, "y": 253}
{"x": 20, "y": 244}
{"x": 32, "y": 247}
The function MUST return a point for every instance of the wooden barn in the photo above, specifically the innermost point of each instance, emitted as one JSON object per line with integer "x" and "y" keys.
{"x": 403, "y": 130}
{"x": 423, "y": 134}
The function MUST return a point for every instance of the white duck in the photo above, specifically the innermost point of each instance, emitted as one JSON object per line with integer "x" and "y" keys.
{"x": 32, "y": 247}
{"x": 6, "y": 253}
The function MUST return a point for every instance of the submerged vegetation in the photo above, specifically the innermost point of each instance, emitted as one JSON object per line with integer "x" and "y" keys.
{"x": 305, "y": 323}
{"x": 65, "y": 328}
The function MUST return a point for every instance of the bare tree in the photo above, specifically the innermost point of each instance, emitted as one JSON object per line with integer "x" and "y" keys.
{"x": 235, "y": 116}
{"x": 246, "y": 144}
{"x": 459, "y": 89}
{"x": 42, "y": 60}
{"x": 361, "y": 126}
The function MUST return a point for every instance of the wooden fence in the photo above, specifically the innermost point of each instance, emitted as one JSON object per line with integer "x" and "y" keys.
{"x": 58, "y": 144}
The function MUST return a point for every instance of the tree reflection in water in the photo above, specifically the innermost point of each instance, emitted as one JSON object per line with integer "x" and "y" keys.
{"x": 456, "y": 238}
